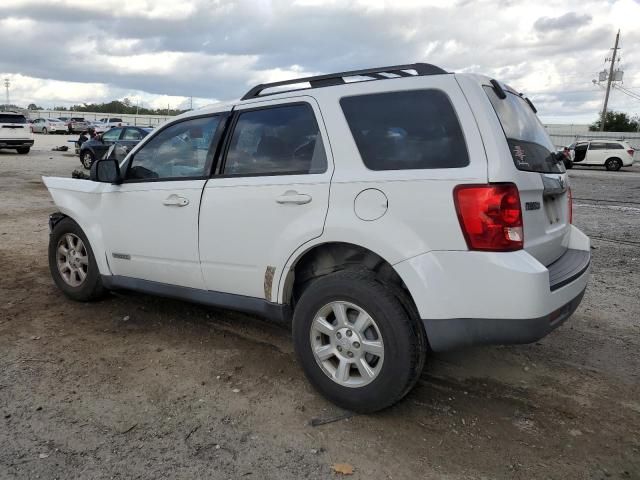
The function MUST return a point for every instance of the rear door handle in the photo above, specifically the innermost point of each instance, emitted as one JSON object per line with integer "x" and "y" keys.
{"x": 293, "y": 197}
{"x": 175, "y": 201}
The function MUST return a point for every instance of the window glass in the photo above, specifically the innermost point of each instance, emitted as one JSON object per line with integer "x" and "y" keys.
{"x": 5, "y": 118}
{"x": 132, "y": 134}
{"x": 112, "y": 135}
{"x": 597, "y": 146}
{"x": 415, "y": 129}
{"x": 614, "y": 146}
{"x": 181, "y": 150}
{"x": 278, "y": 140}
{"x": 529, "y": 143}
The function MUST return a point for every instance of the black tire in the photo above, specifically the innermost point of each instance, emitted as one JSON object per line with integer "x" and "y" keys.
{"x": 403, "y": 335}
{"x": 91, "y": 288}
{"x": 87, "y": 158}
{"x": 613, "y": 164}
{"x": 44, "y": 130}
{"x": 23, "y": 150}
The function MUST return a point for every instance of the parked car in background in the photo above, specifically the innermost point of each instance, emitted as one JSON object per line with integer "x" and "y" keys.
{"x": 127, "y": 137}
{"x": 15, "y": 132}
{"x": 612, "y": 154}
{"x": 49, "y": 125}
{"x": 99, "y": 127}
{"x": 113, "y": 122}
{"x": 77, "y": 125}
{"x": 382, "y": 219}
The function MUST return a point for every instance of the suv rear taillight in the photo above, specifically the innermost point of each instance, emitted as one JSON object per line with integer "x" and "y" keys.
{"x": 631, "y": 151}
{"x": 570, "y": 197}
{"x": 490, "y": 216}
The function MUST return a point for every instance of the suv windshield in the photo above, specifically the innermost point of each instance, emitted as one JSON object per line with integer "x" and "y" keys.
{"x": 529, "y": 143}
{"x": 4, "y": 118}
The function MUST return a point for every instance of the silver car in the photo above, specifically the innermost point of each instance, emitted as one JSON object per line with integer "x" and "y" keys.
{"x": 49, "y": 125}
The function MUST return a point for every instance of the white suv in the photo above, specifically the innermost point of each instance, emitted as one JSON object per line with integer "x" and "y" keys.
{"x": 15, "y": 132}
{"x": 613, "y": 154}
{"x": 382, "y": 212}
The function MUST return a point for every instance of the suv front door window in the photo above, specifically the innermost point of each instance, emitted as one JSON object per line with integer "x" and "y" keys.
{"x": 178, "y": 151}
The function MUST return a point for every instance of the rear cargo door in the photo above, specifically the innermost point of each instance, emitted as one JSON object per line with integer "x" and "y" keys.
{"x": 541, "y": 179}
{"x": 13, "y": 127}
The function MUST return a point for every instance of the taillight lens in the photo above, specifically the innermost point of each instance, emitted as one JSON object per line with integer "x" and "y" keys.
{"x": 490, "y": 216}
{"x": 631, "y": 151}
{"x": 570, "y": 197}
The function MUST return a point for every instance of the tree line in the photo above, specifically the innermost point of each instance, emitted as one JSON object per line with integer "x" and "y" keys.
{"x": 124, "y": 106}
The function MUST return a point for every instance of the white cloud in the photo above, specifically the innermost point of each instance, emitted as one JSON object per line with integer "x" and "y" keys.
{"x": 167, "y": 50}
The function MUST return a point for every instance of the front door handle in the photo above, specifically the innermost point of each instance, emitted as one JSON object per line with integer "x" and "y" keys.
{"x": 175, "y": 201}
{"x": 293, "y": 197}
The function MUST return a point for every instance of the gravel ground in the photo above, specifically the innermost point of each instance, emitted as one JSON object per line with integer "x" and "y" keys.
{"x": 142, "y": 387}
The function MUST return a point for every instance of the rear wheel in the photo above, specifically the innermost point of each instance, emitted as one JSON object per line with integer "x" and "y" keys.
{"x": 44, "y": 130}
{"x": 72, "y": 263}
{"x": 23, "y": 150}
{"x": 87, "y": 158}
{"x": 613, "y": 164}
{"x": 356, "y": 343}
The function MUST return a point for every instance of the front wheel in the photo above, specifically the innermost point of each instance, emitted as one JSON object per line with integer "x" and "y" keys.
{"x": 44, "y": 130}
{"x": 87, "y": 158}
{"x": 613, "y": 164}
{"x": 356, "y": 343}
{"x": 72, "y": 263}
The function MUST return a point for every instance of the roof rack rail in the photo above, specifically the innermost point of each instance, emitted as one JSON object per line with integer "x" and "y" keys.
{"x": 338, "y": 78}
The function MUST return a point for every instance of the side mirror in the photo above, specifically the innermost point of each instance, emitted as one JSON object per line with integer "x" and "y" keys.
{"x": 106, "y": 170}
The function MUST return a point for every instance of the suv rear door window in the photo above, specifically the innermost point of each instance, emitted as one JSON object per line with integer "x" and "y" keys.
{"x": 597, "y": 146}
{"x": 614, "y": 146}
{"x": 404, "y": 130}
{"x": 281, "y": 140}
{"x": 529, "y": 143}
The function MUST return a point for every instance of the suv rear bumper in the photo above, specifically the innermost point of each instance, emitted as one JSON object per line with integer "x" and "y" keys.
{"x": 478, "y": 298}
{"x": 16, "y": 143}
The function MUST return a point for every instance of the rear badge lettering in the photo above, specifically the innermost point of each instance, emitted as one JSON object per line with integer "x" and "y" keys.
{"x": 532, "y": 206}
{"x": 121, "y": 256}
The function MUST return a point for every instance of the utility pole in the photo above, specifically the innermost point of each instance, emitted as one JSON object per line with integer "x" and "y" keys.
{"x": 606, "y": 95}
{"x": 191, "y": 104}
{"x": 7, "y": 84}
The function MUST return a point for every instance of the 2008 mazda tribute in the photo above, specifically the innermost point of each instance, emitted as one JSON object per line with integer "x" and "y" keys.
{"x": 383, "y": 212}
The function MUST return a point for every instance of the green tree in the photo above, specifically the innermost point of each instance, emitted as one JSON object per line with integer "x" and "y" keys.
{"x": 33, "y": 106}
{"x": 616, "y": 122}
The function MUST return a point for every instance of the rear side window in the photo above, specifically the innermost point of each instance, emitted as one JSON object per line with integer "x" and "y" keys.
{"x": 404, "y": 130}
{"x": 12, "y": 118}
{"x": 614, "y": 146}
{"x": 282, "y": 140}
{"x": 530, "y": 145}
{"x": 597, "y": 146}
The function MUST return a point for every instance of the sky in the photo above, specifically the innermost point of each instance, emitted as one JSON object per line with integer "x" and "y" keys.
{"x": 162, "y": 52}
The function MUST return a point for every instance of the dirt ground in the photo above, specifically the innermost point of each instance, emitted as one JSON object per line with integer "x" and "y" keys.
{"x": 142, "y": 387}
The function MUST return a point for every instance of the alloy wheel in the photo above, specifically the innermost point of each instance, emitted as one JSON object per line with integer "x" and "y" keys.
{"x": 72, "y": 260}
{"x": 347, "y": 344}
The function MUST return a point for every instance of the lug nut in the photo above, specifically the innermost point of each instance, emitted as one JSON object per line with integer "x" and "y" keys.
{"x": 349, "y": 354}
{"x": 349, "y": 333}
{"x": 339, "y": 348}
{"x": 356, "y": 344}
{"x": 338, "y": 335}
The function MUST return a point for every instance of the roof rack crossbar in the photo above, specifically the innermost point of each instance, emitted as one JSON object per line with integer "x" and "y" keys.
{"x": 332, "y": 79}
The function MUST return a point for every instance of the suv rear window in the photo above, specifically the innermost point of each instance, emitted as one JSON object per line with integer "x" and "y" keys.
{"x": 530, "y": 145}
{"x": 4, "y": 118}
{"x": 416, "y": 129}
